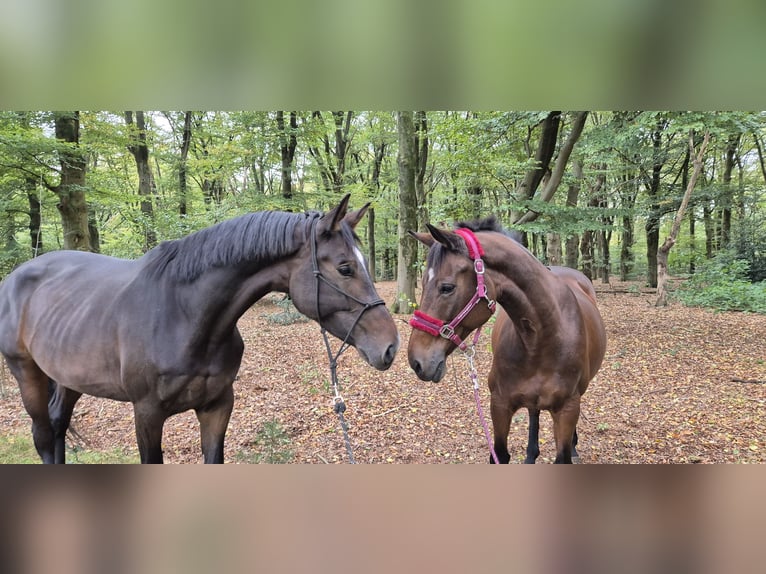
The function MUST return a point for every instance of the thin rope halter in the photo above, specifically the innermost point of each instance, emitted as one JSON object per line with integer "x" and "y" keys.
{"x": 339, "y": 405}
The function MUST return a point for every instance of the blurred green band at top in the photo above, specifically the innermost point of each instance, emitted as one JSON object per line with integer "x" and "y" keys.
{"x": 395, "y": 54}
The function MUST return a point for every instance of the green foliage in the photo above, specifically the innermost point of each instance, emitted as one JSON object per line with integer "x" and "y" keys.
{"x": 18, "y": 449}
{"x": 721, "y": 284}
{"x": 289, "y": 315}
{"x": 272, "y": 446}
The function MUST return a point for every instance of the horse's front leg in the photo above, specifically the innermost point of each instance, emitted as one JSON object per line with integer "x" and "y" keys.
{"x": 149, "y": 424}
{"x": 533, "y": 442}
{"x": 564, "y": 424}
{"x": 501, "y": 413}
{"x": 213, "y": 422}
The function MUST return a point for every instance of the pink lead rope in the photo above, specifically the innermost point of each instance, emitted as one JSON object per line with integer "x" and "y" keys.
{"x": 438, "y": 328}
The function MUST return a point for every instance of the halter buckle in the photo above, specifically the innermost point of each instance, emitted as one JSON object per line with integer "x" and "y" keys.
{"x": 478, "y": 266}
{"x": 447, "y": 331}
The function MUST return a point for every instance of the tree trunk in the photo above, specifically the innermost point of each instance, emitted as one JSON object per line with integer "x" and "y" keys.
{"x": 707, "y": 219}
{"x": 183, "y": 164}
{"x": 727, "y": 193}
{"x": 653, "y": 218}
{"x": 553, "y": 249}
{"x": 573, "y": 194}
{"x": 406, "y": 275}
{"x": 379, "y": 151}
{"x": 371, "y": 241}
{"x": 664, "y": 250}
{"x": 543, "y": 156}
{"x": 558, "y": 169}
{"x": 287, "y": 144}
{"x": 35, "y": 220}
{"x": 421, "y": 162}
{"x": 71, "y": 188}
{"x": 147, "y": 189}
{"x": 331, "y": 159}
{"x": 628, "y": 201}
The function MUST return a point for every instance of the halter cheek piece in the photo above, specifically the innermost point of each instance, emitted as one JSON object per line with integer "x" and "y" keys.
{"x": 319, "y": 278}
{"x": 439, "y": 328}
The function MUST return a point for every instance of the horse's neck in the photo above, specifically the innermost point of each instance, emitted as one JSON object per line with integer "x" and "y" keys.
{"x": 222, "y": 296}
{"x": 525, "y": 289}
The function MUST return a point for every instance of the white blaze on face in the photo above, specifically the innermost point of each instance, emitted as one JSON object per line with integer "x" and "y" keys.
{"x": 431, "y": 274}
{"x": 360, "y": 258}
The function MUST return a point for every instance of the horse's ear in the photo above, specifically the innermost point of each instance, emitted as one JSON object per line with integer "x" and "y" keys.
{"x": 450, "y": 240}
{"x": 354, "y": 217}
{"x": 425, "y": 238}
{"x": 331, "y": 220}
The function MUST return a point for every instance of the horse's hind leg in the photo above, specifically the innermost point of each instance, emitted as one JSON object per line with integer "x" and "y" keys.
{"x": 213, "y": 422}
{"x": 533, "y": 443}
{"x": 60, "y": 407}
{"x": 33, "y": 385}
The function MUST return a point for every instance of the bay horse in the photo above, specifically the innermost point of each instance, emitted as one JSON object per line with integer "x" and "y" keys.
{"x": 548, "y": 340}
{"x": 161, "y": 331}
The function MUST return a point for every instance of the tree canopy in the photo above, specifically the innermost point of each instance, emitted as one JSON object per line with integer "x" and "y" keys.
{"x": 590, "y": 189}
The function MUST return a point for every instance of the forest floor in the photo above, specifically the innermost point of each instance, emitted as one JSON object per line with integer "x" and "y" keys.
{"x": 677, "y": 385}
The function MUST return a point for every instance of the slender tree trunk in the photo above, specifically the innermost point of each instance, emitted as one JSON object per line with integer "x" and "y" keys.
{"x": 707, "y": 218}
{"x": 146, "y": 186}
{"x": 183, "y": 164}
{"x": 727, "y": 195}
{"x": 379, "y": 151}
{"x": 573, "y": 194}
{"x": 406, "y": 275}
{"x": 421, "y": 162}
{"x": 35, "y": 220}
{"x": 71, "y": 188}
{"x": 664, "y": 250}
{"x": 628, "y": 201}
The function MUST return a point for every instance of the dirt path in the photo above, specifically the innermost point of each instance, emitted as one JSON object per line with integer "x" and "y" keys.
{"x": 677, "y": 385}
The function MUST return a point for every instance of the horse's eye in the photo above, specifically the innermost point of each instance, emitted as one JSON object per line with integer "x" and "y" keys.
{"x": 446, "y": 288}
{"x": 346, "y": 270}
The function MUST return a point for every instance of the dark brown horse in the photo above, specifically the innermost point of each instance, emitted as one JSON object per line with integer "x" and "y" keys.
{"x": 548, "y": 341}
{"x": 161, "y": 331}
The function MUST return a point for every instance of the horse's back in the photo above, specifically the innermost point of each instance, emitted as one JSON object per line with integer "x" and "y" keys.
{"x": 48, "y": 302}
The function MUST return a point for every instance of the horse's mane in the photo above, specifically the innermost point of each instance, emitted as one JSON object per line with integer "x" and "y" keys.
{"x": 261, "y": 238}
{"x": 489, "y": 224}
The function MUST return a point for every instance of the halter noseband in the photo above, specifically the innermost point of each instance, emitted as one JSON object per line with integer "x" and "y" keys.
{"x": 439, "y": 328}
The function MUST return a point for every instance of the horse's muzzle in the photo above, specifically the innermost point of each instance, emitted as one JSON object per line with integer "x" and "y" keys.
{"x": 430, "y": 371}
{"x": 381, "y": 361}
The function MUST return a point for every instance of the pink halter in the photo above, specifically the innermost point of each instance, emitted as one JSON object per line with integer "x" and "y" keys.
{"x": 437, "y": 327}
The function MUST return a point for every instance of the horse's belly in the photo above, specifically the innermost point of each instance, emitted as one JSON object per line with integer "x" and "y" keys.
{"x": 181, "y": 393}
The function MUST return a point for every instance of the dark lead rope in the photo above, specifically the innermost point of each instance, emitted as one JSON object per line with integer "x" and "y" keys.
{"x": 339, "y": 405}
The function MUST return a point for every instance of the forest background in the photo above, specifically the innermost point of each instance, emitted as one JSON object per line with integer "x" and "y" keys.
{"x": 592, "y": 190}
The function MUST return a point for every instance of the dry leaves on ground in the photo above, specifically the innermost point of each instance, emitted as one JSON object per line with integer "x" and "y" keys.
{"x": 677, "y": 385}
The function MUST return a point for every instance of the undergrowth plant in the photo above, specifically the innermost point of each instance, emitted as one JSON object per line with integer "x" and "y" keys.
{"x": 722, "y": 284}
{"x": 272, "y": 446}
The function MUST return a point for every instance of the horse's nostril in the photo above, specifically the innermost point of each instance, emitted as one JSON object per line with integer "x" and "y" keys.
{"x": 417, "y": 368}
{"x": 390, "y": 354}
